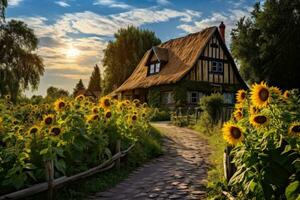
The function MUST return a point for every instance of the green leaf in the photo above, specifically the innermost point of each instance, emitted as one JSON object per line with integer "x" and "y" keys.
{"x": 44, "y": 151}
{"x": 60, "y": 165}
{"x": 292, "y": 191}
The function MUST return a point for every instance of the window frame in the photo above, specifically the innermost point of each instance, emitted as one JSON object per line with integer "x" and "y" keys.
{"x": 217, "y": 67}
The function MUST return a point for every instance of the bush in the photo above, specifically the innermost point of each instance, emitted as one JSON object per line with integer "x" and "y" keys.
{"x": 160, "y": 115}
{"x": 265, "y": 133}
{"x": 213, "y": 106}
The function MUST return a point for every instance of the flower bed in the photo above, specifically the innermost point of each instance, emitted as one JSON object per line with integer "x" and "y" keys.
{"x": 76, "y": 134}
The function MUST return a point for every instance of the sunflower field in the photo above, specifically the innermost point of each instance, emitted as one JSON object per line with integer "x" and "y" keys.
{"x": 76, "y": 134}
{"x": 265, "y": 134}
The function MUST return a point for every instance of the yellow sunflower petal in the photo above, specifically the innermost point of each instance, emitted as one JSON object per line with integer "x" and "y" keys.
{"x": 260, "y": 95}
{"x": 232, "y": 134}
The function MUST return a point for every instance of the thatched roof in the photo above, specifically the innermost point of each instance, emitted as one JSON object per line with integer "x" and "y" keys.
{"x": 182, "y": 53}
{"x": 160, "y": 54}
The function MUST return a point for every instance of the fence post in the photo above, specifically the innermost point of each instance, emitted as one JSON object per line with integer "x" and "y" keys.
{"x": 118, "y": 149}
{"x": 50, "y": 177}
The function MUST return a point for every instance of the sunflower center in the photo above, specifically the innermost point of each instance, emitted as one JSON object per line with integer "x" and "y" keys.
{"x": 134, "y": 117}
{"x": 108, "y": 115}
{"x": 48, "y": 120}
{"x": 107, "y": 102}
{"x": 243, "y": 95}
{"x": 55, "y": 131}
{"x": 296, "y": 129}
{"x": 235, "y": 132}
{"x": 33, "y": 130}
{"x": 260, "y": 119}
{"x": 264, "y": 94}
{"x": 95, "y": 117}
{"x": 61, "y": 105}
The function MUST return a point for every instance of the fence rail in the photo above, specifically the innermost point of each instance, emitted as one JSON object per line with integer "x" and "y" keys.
{"x": 54, "y": 183}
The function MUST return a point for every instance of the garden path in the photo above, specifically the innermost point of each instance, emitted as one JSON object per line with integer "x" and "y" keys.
{"x": 178, "y": 174}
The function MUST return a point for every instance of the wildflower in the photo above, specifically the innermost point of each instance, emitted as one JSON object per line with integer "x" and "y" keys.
{"x": 134, "y": 117}
{"x": 48, "y": 119}
{"x": 259, "y": 120}
{"x": 294, "y": 129}
{"x": 260, "y": 95}
{"x": 59, "y": 104}
{"x": 241, "y": 96}
{"x": 55, "y": 131}
{"x": 95, "y": 109}
{"x": 232, "y": 134}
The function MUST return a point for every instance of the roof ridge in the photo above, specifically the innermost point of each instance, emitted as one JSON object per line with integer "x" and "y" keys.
{"x": 188, "y": 35}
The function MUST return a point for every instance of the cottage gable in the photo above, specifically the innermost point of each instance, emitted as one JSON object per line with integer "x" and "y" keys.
{"x": 215, "y": 64}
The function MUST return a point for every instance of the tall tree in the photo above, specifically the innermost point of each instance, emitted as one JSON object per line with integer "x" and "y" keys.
{"x": 79, "y": 86}
{"x": 54, "y": 92}
{"x": 95, "y": 80}
{"x": 122, "y": 55}
{"x": 3, "y": 5}
{"x": 20, "y": 66}
{"x": 267, "y": 44}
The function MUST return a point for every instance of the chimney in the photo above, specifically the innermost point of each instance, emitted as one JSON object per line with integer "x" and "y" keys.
{"x": 222, "y": 31}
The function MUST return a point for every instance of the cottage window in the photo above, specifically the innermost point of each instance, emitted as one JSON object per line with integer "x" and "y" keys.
{"x": 157, "y": 69}
{"x": 194, "y": 97}
{"x": 217, "y": 67}
{"x": 167, "y": 97}
{"x": 228, "y": 98}
{"x": 152, "y": 68}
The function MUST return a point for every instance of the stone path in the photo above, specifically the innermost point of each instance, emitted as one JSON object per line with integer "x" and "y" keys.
{"x": 178, "y": 174}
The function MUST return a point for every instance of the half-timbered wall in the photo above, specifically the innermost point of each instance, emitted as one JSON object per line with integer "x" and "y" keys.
{"x": 203, "y": 70}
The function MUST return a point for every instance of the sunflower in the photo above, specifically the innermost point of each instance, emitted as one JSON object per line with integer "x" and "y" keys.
{"x": 238, "y": 115}
{"x": 105, "y": 102}
{"x": 275, "y": 90}
{"x": 134, "y": 117}
{"x": 55, "y": 130}
{"x": 241, "y": 96}
{"x": 7, "y": 97}
{"x": 48, "y": 119}
{"x": 33, "y": 130}
{"x": 259, "y": 121}
{"x": 108, "y": 114}
{"x": 286, "y": 94}
{"x": 80, "y": 97}
{"x": 95, "y": 110}
{"x": 254, "y": 110}
{"x": 260, "y": 95}
{"x": 295, "y": 129}
{"x": 233, "y": 134}
{"x": 59, "y": 105}
{"x": 93, "y": 117}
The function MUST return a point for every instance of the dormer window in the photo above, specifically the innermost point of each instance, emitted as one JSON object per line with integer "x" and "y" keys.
{"x": 157, "y": 67}
{"x": 152, "y": 68}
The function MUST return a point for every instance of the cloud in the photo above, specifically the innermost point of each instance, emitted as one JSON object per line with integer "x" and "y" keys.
{"x": 163, "y": 2}
{"x": 62, "y": 3}
{"x": 14, "y": 2}
{"x": 112, "y": 4}
{"x": 229, "y": 18}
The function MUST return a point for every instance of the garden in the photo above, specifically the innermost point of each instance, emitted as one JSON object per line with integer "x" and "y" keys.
{"x": 75, "y": 134}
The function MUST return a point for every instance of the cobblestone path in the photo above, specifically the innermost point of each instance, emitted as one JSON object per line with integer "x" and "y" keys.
{"x": 178, "y": 174}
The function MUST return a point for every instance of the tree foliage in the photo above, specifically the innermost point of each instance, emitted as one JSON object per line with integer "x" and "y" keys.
{"x": 122, "y": 55}
{"x": 53, "y": 92}
{"x": 95, "y": 80}
{"x": 20, "y": 67}
{"x": 3, "y": 5}
{"x": 79, "y": 86}
{"x": 267, "y": 44}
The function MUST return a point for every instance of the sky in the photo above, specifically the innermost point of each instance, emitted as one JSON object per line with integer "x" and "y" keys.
{"x": 73, "y": 33}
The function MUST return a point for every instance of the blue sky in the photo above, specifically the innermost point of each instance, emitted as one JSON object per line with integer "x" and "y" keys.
{"x": 73, "y": 33}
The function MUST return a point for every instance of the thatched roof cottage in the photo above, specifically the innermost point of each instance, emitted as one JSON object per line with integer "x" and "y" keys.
{"x": 182, "y": 70}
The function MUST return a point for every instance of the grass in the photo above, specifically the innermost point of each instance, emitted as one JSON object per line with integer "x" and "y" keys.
{"x": 149, "y": 146}
{"x": 215, "y": 174}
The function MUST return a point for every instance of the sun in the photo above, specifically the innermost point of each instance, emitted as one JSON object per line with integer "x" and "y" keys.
{"x": 72, "y": 53}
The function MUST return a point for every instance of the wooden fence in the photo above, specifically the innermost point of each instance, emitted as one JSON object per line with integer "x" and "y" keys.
{"x": 52, "y": 183}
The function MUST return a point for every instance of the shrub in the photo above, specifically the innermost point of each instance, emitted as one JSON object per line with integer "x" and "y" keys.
{"x": 213, "y": 106}
{"x": 160, "y": 115}
{"x": 266, "y": 140}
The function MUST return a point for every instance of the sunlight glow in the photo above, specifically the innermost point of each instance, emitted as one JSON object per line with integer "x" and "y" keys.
{"x": 72, "y": 53}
